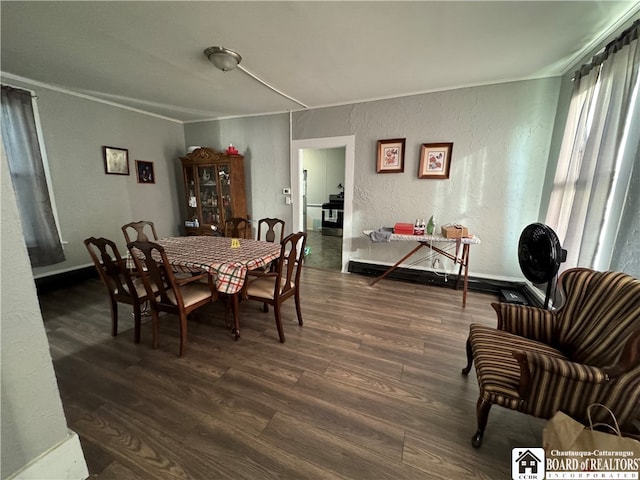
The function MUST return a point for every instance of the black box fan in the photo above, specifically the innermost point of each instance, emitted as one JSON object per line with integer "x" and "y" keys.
{"x": 540, "y": 255}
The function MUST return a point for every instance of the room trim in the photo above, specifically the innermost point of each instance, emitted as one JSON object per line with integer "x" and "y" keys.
{"x": 84, "y": 96}
{"x": 64, "y": 461}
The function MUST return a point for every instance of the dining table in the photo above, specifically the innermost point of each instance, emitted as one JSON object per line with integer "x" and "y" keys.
{"x": 227, "y": 259}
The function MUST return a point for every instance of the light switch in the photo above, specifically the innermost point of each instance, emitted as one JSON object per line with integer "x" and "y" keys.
{"x": 286, "y": 191}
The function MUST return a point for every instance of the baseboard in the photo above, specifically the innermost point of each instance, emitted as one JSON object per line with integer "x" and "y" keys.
{"x": 65, "y": 279}
{"x": 65, "y": 461}
{"x": 430, "y": 277}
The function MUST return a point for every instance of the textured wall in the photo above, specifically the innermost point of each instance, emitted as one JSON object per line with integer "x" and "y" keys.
{"x": 264, "y": 142}
{"x": 88, "y": 201}
{"x": 32, "y": 417}
{"x": 501, "y": 135}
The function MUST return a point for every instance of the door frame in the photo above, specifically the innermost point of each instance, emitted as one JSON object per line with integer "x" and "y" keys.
{"x": 348, "y": 142}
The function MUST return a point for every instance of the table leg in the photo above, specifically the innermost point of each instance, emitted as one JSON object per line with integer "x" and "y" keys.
{"x": 462, "y": 265}
{"x": 464, "y": 262}
{"x": 235, "y": 309}
{"x": 397, "y": 264}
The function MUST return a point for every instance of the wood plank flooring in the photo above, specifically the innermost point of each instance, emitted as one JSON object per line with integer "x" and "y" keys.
{"x": 369, "y": 388}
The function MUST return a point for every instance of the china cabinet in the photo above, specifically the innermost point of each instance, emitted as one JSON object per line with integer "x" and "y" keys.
{"x": 215, "y": 190}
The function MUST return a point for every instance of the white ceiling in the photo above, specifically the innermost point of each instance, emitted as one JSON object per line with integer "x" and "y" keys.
{"x": 149, "y": 55}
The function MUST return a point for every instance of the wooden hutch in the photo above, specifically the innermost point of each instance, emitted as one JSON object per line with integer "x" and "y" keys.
{"x": 215, "y": 190}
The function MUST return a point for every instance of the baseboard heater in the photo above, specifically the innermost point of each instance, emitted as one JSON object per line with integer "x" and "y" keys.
{"x": 428, "y": 277}
{"x": 65, "y": 279}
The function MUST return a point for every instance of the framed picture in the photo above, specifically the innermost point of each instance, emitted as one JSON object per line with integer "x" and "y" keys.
{"x": 390, "y": 156}
{"x": 435, "y": 160}
{"x": 144, "y": 171}
{"x": 116, "y": 160}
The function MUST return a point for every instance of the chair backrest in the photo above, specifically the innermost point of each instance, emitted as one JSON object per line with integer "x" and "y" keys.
{"x": 271, "y": 230}
{"x": 139, "y": 228}
{"x": 289, "y": 266}
{"x": 159, "y": 277}
{"x": 111, "y": 267}
{"x": 236, "y": 227}
{"x": 600, "y": 314}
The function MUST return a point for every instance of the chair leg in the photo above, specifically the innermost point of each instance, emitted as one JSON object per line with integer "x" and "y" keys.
{"x": 276, "y": 309}
{"x": 155, "y": 323}
{"x": 137, "y": 320}
{"x": 298, "y": 309}
{"x": 114, "y": 318}
{"x": 482, "y": 412}
{"x": 467, "y": 369}
{"x": 183, "y": 333}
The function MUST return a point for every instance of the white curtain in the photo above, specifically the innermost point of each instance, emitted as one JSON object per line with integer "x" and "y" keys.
{"x": 594, "y": 202}
{"x": 20, "y": 139}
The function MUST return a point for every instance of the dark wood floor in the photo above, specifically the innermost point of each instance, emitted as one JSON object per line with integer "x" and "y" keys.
{"x": 325, "y": 251}
{"x": 369, "y": 388}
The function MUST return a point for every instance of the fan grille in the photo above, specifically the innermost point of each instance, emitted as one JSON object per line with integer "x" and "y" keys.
{"x": 539, "y": 253}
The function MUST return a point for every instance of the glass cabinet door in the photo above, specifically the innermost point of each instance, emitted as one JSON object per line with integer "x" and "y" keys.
{"x": 192, "y": 200}
{"x": 224, "y": 173}
{"x": 209, "y": 195}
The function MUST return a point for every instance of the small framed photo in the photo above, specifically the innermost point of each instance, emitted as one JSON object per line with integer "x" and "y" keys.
{"x": 390, "y": 156}
{"x": 144, "y": 171}
{"x": 116, "y": 160}
{"x": 435, "y": 160}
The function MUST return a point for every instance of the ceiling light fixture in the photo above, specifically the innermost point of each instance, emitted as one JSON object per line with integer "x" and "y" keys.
{"x": 226, "y": 60}
{"x": 223, "y": 58}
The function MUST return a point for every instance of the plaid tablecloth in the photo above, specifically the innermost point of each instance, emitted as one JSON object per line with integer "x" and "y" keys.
{"x": 214, "y": 255}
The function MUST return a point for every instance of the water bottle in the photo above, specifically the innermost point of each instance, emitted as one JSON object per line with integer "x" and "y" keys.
{"x": 431, "y": 225}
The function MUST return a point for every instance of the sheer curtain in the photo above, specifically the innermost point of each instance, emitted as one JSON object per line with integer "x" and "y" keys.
{"x": 594, "y": 202}
{"x": 20, "y": 139}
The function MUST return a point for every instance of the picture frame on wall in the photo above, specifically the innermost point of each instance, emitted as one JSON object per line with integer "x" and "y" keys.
{"x": 144, "y": 171}
{"x": 116, "y": 160}
{"x": 390, "y": 156}
{"x": 435, "y": 160}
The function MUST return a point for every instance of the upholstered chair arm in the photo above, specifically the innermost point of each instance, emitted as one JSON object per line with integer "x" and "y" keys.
{"x": 549, "y": 384}
{"x": 525, "y": 321}
{"x": 629, "y": 359}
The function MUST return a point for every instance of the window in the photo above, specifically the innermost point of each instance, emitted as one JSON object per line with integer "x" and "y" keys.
{"x": 28, "y": 175}
{"x": 596, "y": 191}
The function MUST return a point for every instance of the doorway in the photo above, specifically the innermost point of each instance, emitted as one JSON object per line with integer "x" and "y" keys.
{"x": 308, "y": 196}
{"x": 323, "y": 205}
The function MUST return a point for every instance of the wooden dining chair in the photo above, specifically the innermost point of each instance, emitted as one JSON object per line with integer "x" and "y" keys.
{"x": 122, "y": 285}
{"x": 270, "y": 230}
{"x": 178, "y": 296}
{"x": 274, "y": 288}
{"x": 144, "y": 229}
{"x": 236, "y": 227}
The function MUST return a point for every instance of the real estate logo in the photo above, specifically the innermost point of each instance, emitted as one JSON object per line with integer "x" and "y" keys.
{"x": 527, "y": 464}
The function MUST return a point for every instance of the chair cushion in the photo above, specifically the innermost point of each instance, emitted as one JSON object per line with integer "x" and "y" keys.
{"x": 142, "y": 292}
{"x": 138, "y": 285}
{"x": 192, "y": 293}
{"x": 497, "y": 369}
{"x": 262, "y": 287}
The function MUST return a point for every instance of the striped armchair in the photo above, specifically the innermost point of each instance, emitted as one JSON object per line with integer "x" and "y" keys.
{"x": 539, "y": 362}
